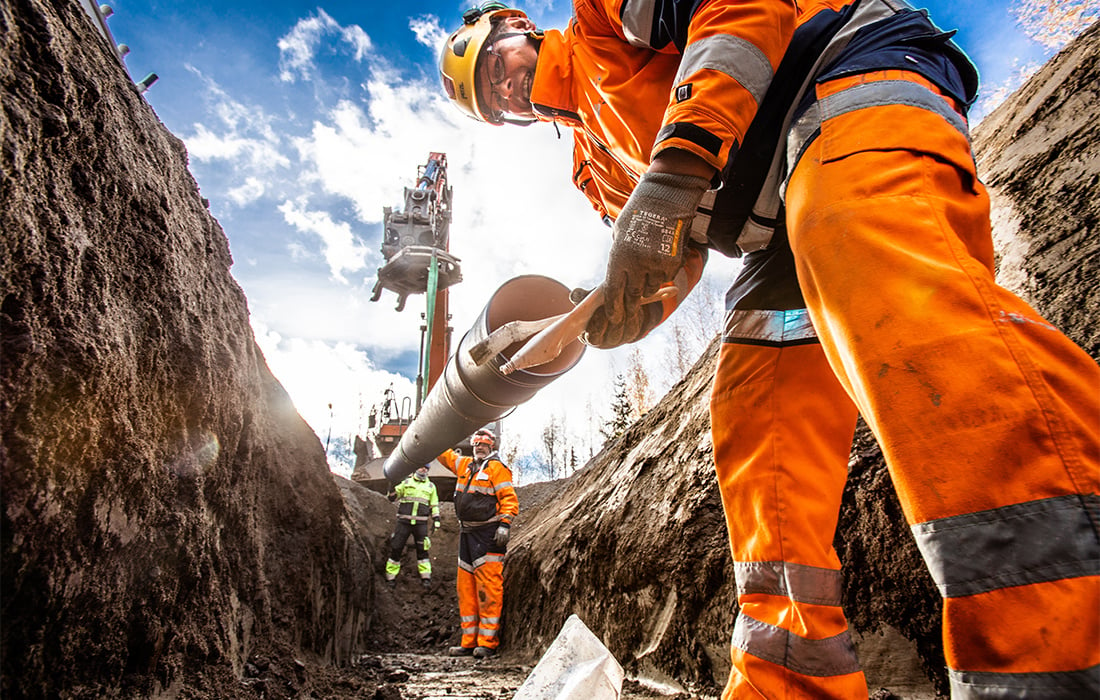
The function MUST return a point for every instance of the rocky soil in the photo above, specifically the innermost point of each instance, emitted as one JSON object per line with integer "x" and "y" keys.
{"x": 169, "y": 525}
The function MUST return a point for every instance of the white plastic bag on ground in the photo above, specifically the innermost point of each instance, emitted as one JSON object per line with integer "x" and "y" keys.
{"x": 577, "y": 666}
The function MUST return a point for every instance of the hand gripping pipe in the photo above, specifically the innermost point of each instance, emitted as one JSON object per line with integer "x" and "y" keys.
{"x": 469, "y": 396}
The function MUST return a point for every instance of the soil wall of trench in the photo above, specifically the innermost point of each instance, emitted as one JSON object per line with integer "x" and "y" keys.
{"x": 169, "y": 526}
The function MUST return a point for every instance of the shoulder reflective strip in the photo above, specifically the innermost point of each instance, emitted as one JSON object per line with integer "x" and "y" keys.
{"x": 801, "y": 583}
{"x": 504, "y": 484}
{"x": 1017, "y": 545}
{"x": 771, "y": 326}
{"x": 880, "y": 93}
{"x": 732, "y": 55}
{"x": 832, "y": 656}
{"x": 637, "y": 18}
{"x": 982, "y": 685}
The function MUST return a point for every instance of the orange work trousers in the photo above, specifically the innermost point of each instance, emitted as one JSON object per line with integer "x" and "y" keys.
{"x": 988, "y": 416}
{"x": 480, "y": 585}
{"x": 782, "y": 427}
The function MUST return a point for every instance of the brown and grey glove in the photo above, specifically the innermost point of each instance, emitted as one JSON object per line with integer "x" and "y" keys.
{"x": 601, "y": 334}
{"x": 648, "y": 248}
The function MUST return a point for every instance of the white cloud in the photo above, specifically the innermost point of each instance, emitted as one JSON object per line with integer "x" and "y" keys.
{"x": 428, "y": 31}
{"x": 299, "y": 46}
{"x": 240, "y": 135}
{"x": 340, "y": 248}
{"x": 249, "y": 192}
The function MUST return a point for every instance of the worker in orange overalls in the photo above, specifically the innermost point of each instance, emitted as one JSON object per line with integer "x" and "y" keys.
{"x": 485, "y": 504}
{"x": 826, "y": 142}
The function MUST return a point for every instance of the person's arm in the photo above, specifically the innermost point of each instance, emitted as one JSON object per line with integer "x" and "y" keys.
{"x": 507, "y": 502}
{"x": 433, "y": 501}
{"x": 449, "y": 459}
{"x": 729, "y": 52}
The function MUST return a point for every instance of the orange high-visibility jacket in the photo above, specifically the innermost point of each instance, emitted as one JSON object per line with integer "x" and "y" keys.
{"x": 722, "y": 80}
{"x": 720, "y": 60}
{"x": 483, "y": 493}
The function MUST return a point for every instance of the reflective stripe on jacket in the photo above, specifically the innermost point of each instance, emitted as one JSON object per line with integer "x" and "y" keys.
{"x": 483, "y": 493}
{"x": 416, "y": 499}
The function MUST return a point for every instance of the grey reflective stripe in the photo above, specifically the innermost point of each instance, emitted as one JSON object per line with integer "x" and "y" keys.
{"x": 1017, "y": 545}
{"x": 753, "y": 235}
{"x": 701, "y": 221}
{"x": 465, "y": 567}
{"x": 832, "y": 656}
{"x": 800, "y": 583}
{"x": 769, "y": 326}
{"x": 490, "y": 620}
{"x": 490, "y": 557}
{"x": 880, "y": 93}
{"x": 638, "y": 21}
{"x": 1051, "y": 685}
{"x": 732, "y": 55}
{"x": 471, "y": 524}
{"x": 486, "y": 633}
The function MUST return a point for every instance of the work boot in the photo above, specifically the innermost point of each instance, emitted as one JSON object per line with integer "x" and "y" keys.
{"x": 391, "y": 584}
{"x": 484, "y": 652}
{"x": 460, "y": 651}
{"x": 426, "y": 583}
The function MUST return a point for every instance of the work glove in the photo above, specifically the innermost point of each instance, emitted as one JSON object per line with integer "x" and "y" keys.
{"x": 601, "y": 334}
{"x": 502, "y": 535}
{"x": 647, "y": 250}
{"x": 392, "y": 496}
{"x": 436, "y": 524}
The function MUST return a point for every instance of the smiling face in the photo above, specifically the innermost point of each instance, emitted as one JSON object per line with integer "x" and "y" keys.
{"x": 506, "y": 69}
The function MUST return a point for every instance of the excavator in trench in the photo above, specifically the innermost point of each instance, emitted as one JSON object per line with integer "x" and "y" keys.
{"x": 415, "y": 246}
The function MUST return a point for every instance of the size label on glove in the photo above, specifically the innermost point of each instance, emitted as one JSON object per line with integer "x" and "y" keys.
{"x": 654, "y": 232}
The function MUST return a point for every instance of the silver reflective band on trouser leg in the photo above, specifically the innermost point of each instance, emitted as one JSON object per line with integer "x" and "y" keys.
{"x": 1026, "y": 543}
{"x": 832, "y": 656}
{"x": 772, "y": 327}
{"x": 1034, "y": 542}
{"x": 1064, "y": 685}
{"x": 798, "y": 582}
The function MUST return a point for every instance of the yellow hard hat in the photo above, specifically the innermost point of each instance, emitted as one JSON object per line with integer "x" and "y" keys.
{"x": 458, "y": 62}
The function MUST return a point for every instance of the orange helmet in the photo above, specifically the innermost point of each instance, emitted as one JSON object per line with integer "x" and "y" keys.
{"x": 458, "y": 61}
{"x": 484, "y": 437}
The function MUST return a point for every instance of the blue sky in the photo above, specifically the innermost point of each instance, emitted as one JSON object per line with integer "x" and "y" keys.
{"x": 303, "y": 120}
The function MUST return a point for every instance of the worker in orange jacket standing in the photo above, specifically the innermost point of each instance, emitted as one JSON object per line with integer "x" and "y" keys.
{"x": 826, "y": 142}
{"x": 485, "y": 504}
